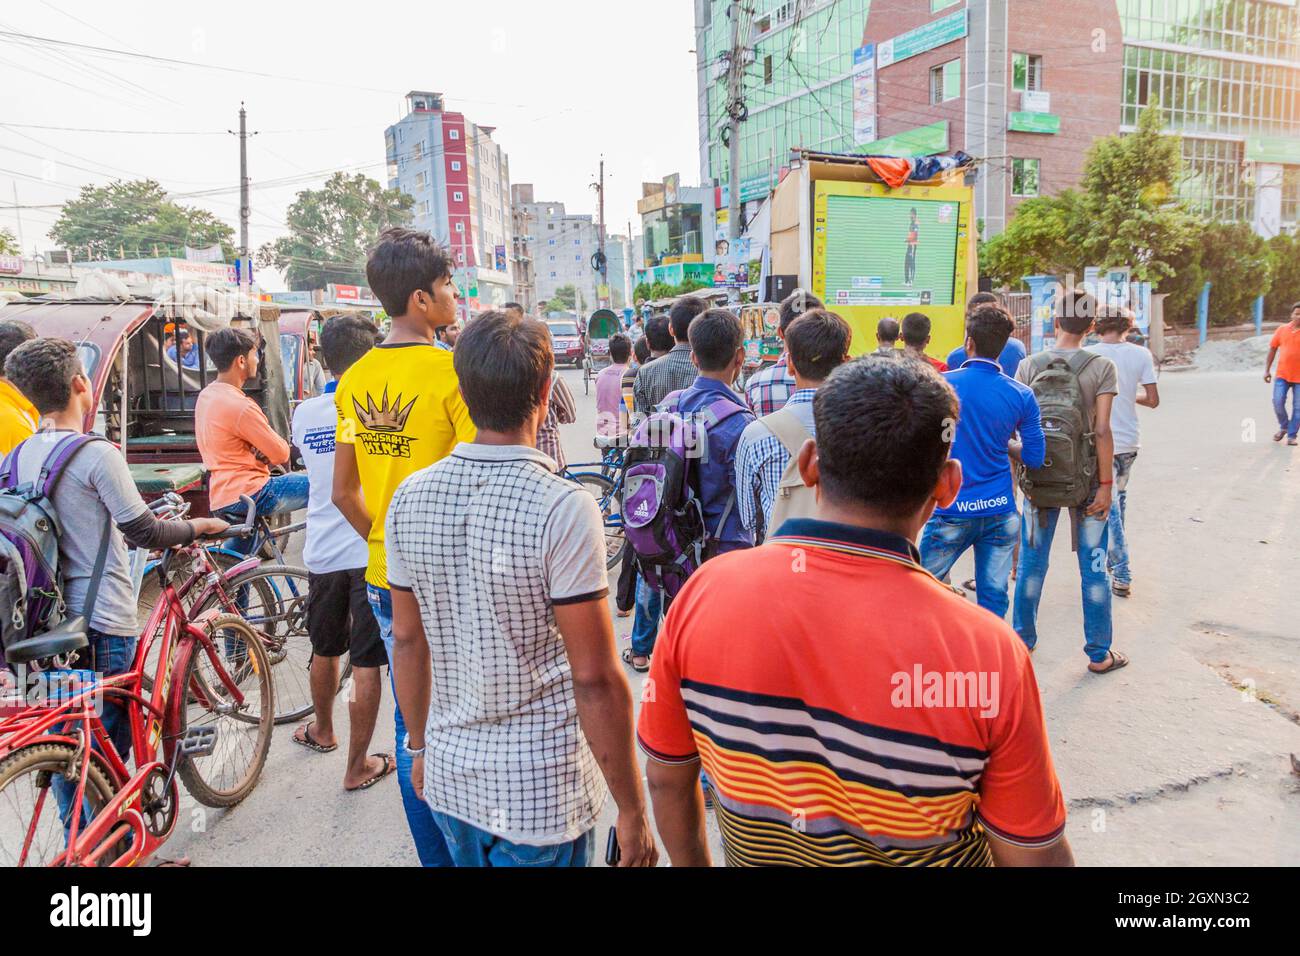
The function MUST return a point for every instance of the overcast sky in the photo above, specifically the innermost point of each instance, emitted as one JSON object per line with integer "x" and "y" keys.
{"x": 562, "y": 83}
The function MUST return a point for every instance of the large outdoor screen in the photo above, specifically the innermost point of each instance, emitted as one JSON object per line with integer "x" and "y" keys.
{"x": 890, "y": 251}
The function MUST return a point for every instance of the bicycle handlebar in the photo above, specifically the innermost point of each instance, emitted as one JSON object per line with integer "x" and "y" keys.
{"x": 244, "y": 530}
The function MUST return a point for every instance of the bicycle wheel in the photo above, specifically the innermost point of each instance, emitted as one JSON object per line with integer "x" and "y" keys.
{"x": 228, "y": 774}
{"x": 31, "y": 829}
{"x": 602, "y": 489}
{"x": 273, "y": 599}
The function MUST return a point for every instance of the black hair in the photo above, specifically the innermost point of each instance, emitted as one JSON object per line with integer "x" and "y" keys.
{"x": 982, "y": 298}
{"x": 796, "y": 304}
{"x": 226, "y": 345}
{"x": 658, "y": 332}
{"x": 916, "y": 329}
{"x": 43, "y": 370}
{"x": 512, "y": 305}
{"x": 344, "y": 339}
{"x": 682, "y": 313}
{"x": 182, "y": 333}
{"x": 402, "y": 263}
{"x": 989, "y": 327}
{"x": 641, "y": 348}
{"x": 620, "y": 348}
{"x": 1112, "y": 318}
{"x": 13, "y": 334}
{"x": 502, "y": 363}
{"x": 715, "y": 336}
{"x": 887, "y": 330}
{"x": 1075, "y": 310}
{"x": 817, "y": 342}
{"x": 1296, "y": 306}
{"x": 884, "y": 429}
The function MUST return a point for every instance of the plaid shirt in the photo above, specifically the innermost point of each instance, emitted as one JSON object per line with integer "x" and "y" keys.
{"x": 760, "y": 463}
{"x": 769, "y": 390}
{"x": 562, "y": 410}
{"x": 656, "y": 380}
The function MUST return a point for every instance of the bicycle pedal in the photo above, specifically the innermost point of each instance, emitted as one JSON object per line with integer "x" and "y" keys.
{"x": 199, "y": 741}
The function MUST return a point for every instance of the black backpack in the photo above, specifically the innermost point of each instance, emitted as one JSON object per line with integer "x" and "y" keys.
{"x": 1066, "y": 478}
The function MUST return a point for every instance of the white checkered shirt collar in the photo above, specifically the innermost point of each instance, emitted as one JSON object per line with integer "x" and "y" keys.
{"x": 474, "y": 451}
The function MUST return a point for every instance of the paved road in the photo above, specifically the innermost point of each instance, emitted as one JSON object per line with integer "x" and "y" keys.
{"x": 1180, "y": 759}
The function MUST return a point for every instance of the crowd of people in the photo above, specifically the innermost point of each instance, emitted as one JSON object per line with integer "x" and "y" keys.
{"x": 443, "y": 544}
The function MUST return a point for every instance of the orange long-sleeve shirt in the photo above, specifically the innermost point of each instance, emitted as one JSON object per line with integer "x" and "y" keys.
{"x": 231, "y": 430}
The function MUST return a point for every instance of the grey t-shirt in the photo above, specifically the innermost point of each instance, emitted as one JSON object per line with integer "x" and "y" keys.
{"x": 95, "y": 485}
{"x": 1099, "y": 378}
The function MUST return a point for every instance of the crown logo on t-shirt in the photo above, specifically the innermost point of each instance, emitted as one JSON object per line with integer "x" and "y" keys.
{"x": 385, "y": 418}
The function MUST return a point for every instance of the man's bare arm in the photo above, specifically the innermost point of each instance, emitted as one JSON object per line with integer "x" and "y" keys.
{"x": 411, "y": 674}
{"x": 605, "y": 714}
{"x": 1105, "y": 457}
{"x": 346, "y": 493}
{"x": 679, "y": 811}
{"x": 1150, "y": 397}
{"x": 1268, "y": 365}
{"x": 1008, "y": 854}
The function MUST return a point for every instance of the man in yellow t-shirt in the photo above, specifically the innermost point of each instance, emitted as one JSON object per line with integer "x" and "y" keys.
{"x": 399, "y": 410}
{"x": 18, "y": 416}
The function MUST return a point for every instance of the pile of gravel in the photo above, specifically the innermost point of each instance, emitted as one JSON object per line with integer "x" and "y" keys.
{"x": 1245, "y": 355}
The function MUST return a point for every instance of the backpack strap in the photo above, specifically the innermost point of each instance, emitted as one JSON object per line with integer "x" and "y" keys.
{"x": 57, "y": 461}
{"x": 101, "y": 559}
{"x": 787, "y": 429}
{"x": 1080, "y": 360}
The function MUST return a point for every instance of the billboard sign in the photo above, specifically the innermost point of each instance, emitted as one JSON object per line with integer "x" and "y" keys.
{"x": 935, "y": 34}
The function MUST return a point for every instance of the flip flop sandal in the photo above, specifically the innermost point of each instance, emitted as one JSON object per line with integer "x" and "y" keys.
{"x": 1121, "y": 590}
{"x": 1117, "y": 660}
{"x": 627, "y": 656}
{"x": 306, "y": 741}
{"x": 390, "y": 765}
{"x": 968, "y": 585}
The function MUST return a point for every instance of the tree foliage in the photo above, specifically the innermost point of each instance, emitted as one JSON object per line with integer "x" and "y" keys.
{"x": 1238, "y": 263}
{"x": 565, "y": 299}
{"x": 136, "y": 220}
{"x": 332, "y": 229}
{"x": 8, "y": 244}
{"x": 653, "y": 291}
{"x": 1285, "y": 290}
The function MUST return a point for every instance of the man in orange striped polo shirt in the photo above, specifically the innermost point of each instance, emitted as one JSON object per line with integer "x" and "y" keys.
{"x": 866, "y": 714}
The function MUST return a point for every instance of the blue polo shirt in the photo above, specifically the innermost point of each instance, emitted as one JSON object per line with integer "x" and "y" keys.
{"x": 1010, "y": 359}
{"x": 717, "y": 481}
{"x": 993, "y": 409}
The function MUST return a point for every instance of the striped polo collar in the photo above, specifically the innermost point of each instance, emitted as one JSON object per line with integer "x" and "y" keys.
{"x": 850, "y": 539}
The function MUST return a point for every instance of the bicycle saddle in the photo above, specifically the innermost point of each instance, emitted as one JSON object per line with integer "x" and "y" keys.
{"x": 609, "y": 441}
{"x": 67, "y": 637}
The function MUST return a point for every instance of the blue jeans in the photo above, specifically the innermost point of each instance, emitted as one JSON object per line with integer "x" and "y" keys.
{"x": 645, "y": 626}
{"x": 1117, "y": 558}
{"x": 946, "y": 538}
{"x": 1035, "y": 551}
{"x": 471, "y": 846}
{"x": 106, "y": 656}
{"x": 1282, "y": 388}
{"x": 280, "y": 495}
{"x": 429, "y": 842}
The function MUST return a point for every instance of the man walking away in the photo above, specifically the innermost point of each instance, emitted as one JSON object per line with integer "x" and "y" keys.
{"x": 1285, "y": 347}
{"x": 916, "y": 336}
{"x": 887, "y": 333}
{"x": 1075, "y": 390}
{"x": 504, "y": 646}
{"x": 399, "y": 410}
{"x": 657, "y": 379}
{"x": 610, "y": 417}
{"x": 816, "y": 344}
{"x": 339, "y": 618}
{"x": 994, "y": 409}
{"x": 561, "y": 410}
{"x": 18, "y": 416}
{"x": 769, "y": 390}
{"x": 810, "y": 721}
{"x": 1136, "y": 373}
{"x": 1012, "y": 354}
{"x": 237, "y": 442}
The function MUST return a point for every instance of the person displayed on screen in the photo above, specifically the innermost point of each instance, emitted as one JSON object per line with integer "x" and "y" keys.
{"x": 913, "y": 239}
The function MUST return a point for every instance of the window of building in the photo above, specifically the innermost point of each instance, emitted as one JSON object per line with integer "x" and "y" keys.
{"x": 460, "y": 227}
{"x": 551, "y": 226}
{"x": 1024, "y": 177}
{"x": 945, "y": 82}
{"x": 453, "y": 134}
{"x": 455, "y": 165}
{"x": 550, "y": 242}
{"x": 418, "y": 151}
{"x": 767, "y": 69}
{"x": 458, "y": 196}
{"x": 1026, "y": 72}
{"x": 421, "y": 179}
{"x": 552, "y": 275}
{"x": 937, "y": 5}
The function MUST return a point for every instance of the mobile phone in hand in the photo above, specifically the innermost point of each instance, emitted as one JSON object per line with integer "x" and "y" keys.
{"x": 612, "y": 851}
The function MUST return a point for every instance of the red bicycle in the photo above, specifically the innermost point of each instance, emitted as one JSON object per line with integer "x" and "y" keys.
{"x": 67, "y": 796}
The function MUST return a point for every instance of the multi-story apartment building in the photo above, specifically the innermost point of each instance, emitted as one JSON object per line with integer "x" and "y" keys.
{"x": 460, "y": 180}
{"x": 522, "y": 253}
{"x": 561, "y": 246}
{"x": 1024, "y": 85}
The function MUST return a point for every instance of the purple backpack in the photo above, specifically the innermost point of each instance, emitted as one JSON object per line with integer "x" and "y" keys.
{"x": 31, "y": 585}
{"x": 663, "y": 518}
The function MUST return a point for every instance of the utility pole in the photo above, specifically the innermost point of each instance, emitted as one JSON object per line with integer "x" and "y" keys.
{"x": 601, "y": 260}
{"x": 245, "y": 209}
{"x": 19, "y": 213}
{"x": 736, "y": 113}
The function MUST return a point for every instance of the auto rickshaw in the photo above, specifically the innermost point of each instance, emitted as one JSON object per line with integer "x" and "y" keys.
{"x": 144, "y": 398}
{"x": 304, "y": 366}
{"x": 601, "y": 327}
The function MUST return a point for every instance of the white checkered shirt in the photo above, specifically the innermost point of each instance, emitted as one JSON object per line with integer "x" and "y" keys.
{"x": 504, "y": 751}
{"x": 769, "y": 389}
{"x": 760, "y": 463}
